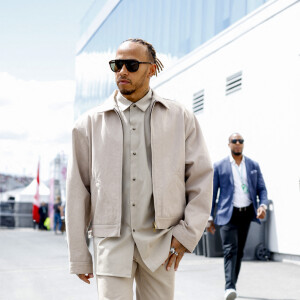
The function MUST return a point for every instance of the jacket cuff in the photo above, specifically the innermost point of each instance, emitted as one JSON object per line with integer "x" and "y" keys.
{"x": 81, "y": 267}
{"x": 264, "y": 206}
{"x": 183, "y": 236}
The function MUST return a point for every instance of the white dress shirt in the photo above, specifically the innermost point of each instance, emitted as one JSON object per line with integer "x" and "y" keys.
{"x": 241, "y": 196}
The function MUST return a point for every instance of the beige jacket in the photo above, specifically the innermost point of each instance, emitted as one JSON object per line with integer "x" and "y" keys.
{"x": 182, "y": 177}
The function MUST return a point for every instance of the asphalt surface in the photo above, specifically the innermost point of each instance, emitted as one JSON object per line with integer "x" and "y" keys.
{"x": 34, "y": 266}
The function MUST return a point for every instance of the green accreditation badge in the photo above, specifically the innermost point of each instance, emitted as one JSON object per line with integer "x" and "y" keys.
{"x": 245, "y": 188}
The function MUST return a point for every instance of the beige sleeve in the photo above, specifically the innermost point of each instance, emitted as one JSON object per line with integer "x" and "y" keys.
{"x": 78, "y": 204}
{"x": 198, "y": 186}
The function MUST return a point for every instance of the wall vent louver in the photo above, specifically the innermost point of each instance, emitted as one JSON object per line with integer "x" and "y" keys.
{"x": 234, "y": 83}
{"x": 198, "y": 101}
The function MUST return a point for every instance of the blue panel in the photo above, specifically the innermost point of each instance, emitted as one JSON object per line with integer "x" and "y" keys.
{"x": 238, "y": 10}
{"x": 174, "y": 27}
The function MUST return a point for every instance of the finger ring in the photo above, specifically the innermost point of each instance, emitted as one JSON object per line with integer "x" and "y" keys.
{"x": 172, "y": 250}
{"x": 176, "y": 253}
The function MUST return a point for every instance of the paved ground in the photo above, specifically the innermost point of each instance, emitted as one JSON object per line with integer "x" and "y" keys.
{"x": 33, "y": 266}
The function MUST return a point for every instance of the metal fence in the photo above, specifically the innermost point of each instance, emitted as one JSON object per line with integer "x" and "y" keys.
{"x": 15, "y": 214}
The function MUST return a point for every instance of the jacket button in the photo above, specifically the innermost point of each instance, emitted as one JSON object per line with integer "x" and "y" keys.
{"x": 134, "y": 153}
{"x": 134, "y": 105}
{"x": 133, "y": 179}
{"x": 133, "y": 204}
{"x": 133, "y": 230}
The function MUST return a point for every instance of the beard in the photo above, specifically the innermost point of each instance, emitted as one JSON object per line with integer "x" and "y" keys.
{"x": 236, "y": 153}
{"x": 126, "y": 92}
{"x": 134, "y": 86}
{"x": 123, "y": 90}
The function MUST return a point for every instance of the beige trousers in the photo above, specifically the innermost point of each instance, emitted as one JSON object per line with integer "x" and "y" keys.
{"x": 158, "y": 285}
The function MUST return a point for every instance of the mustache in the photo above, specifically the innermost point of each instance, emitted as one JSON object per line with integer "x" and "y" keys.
{"x": 123, "y": 78}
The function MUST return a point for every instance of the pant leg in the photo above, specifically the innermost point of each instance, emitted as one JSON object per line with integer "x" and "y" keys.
{"x": 229, "y": 236}
{"x": 59, "y": 222}
{"x": 243, "y": 229}
{"x": 115, "y": 288}
{"x": 55, "y": 221}
{"x": 158, "y": 285}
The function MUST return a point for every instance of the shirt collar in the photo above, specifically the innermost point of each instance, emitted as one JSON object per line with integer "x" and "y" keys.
{"x": 110, "y": 103}
{"x": 142, "y": 104}
{"x": 232, "y": 161}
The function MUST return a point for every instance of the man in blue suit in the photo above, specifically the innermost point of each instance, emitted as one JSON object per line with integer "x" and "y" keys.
{"x": 240, "y": 181}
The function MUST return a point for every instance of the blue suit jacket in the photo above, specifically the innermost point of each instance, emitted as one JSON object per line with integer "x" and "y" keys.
{"x": 223, "y": 180}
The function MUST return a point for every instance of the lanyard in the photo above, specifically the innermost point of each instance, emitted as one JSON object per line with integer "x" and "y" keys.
{"x": 243, "y": 185}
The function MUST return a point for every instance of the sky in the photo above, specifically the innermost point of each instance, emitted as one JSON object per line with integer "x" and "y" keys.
{"x": 37, "y": 81}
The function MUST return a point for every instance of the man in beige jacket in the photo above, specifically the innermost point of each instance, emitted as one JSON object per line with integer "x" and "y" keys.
{"x": 140, "y": 180}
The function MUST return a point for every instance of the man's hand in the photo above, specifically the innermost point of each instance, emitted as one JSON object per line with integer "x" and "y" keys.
{"x": 177, "y": 255}
{"x": 85, "y": 277}
{"x": 261, "y": 213}
{"x": 210, "y": 227}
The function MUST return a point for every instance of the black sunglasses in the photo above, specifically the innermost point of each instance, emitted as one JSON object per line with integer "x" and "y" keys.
{"x": 132, "y": 65}
{"x": 234, "y": 141}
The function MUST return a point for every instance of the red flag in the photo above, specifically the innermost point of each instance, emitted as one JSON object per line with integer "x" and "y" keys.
{"x": 36, "y": 201}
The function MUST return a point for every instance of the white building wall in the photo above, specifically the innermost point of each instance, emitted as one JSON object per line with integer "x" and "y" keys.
{"x": 265, "y": 46}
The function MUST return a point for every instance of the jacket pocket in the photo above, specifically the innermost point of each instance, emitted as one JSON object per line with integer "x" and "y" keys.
{"x": 98, "y": 250}
{"x": 106, "y": 230}
{"x": 173, "y": 200}
{"x": 253, "y": 176}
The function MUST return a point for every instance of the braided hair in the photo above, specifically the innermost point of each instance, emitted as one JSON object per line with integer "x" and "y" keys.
{"x": 151, "y": 52}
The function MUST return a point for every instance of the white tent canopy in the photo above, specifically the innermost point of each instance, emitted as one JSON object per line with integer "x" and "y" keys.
{"x": 12, "y": 193}
{"x": 27, "y": 194}
{"x": 31, "y": 189}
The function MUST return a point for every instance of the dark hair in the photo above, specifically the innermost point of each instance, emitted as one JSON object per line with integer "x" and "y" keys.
{"x": 235, "y": 133}
{"x": 151, "y": 52}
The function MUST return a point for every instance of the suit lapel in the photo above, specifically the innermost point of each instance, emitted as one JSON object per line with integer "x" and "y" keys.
{"x": 229, "y": 170}
{"x": 248, "y": 171}
{"x": 249, "y": 178}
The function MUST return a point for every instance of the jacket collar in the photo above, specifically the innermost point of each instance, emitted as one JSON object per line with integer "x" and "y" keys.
{"x": 110, "y": 103}
{"x": 233, "y": 161}
{"x": 229, "y": 163}
{"x": 159, "y": 99}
